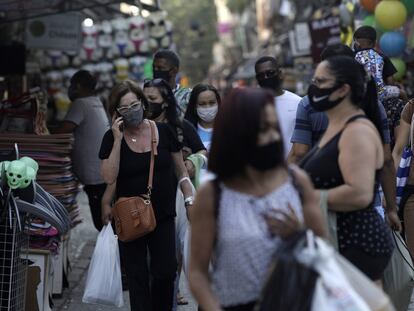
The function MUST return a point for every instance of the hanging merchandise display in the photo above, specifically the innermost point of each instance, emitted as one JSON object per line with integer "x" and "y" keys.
{"x": 113, "y": 50}
{"x": 138, "y": 34}
{"x": 160, "y": 30}
{"x": 393, "y": 43}
{"x": 390, "y": 15}
{"x": 122, "y": 46}
{"x": 89, "y": 51}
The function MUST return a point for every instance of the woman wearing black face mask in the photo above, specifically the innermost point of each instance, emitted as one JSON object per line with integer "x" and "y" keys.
{"x": 125, "y": 154}
{"x": 162, "y": 107}
{"x": 235, "y": 217}
{"x": 346, "y": 162}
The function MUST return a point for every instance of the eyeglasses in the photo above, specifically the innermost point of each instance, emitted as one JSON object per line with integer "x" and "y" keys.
{"x": 133, "y": 106}
{"x": 155, "y": 82}
{"x": 319, "y": 81}
{"x": 266, "y": 74}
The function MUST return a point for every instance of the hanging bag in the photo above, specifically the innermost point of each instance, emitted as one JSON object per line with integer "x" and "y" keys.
{"x": 134, "y": 216}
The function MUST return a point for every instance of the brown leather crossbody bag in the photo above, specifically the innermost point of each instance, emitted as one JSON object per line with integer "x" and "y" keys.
{"x": 134, "y": 216}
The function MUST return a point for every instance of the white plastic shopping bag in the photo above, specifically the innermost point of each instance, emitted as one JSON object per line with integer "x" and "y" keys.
{"x": 398, "y": 277}
{"x": 104, "y": 284}
{"x": 376, "y": 299}
{"x": 341, "y": 286}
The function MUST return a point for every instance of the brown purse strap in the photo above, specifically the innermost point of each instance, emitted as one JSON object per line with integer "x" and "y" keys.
{"x": 153, "y": 154}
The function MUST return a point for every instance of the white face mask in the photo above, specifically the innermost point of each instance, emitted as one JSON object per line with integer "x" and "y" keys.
{"x": 207, "y": 114}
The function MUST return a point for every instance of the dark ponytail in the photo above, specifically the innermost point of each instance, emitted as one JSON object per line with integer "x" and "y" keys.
{"x": 363, "y": 88}
{"x": 370, "y": 105}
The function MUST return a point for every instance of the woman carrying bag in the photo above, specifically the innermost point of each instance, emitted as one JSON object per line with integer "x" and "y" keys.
{"x": 346, "y": 163}
{"x": 127, "y": 154}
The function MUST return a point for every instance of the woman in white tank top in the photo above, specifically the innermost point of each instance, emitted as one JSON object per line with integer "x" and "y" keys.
{"x": 235, "y": 220}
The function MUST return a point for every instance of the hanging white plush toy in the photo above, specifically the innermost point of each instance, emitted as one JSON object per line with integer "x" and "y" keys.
{"x": 122, "y": 69}
{"x": 74, "y": 58}
{"x": 92, "y": 68}
{"x": 90, "y": 51}
{"x": 67, "y": 74}
{"x": 54, "y": 82}
{"x": 122, "y": 46}
{"x": 136, "y": 65}
{"x": 159, "y": 30}
{"x": 105, "y": 41}
{"x": 41, "y": 56}
{"x": 54, "y": 59}
{"x": 138, "y": 34}
{"x": 105, "y": 74}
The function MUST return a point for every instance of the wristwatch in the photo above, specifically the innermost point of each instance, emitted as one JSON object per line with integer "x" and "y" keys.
{"x": 189, "y": 201}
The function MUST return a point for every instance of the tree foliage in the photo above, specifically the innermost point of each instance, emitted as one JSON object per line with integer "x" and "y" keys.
{"x": 237, "y": 6}
{"x": 194, "y": 33}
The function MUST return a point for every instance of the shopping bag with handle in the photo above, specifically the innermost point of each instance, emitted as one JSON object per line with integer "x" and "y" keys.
{"x": 104, "y": 284}
{"x": 398, "y": 277}
{"x": 341, "y": 286}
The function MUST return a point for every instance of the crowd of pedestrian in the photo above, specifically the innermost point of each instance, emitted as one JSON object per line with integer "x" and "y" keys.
{"x": 235, "y": 178}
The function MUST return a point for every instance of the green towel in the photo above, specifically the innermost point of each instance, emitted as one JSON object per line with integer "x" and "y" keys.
{"x": 198, "y": 162}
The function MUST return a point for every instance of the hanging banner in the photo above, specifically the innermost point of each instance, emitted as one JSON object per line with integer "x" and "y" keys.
{"x": 324, "y": 32}
{"x": 56, "y": 32}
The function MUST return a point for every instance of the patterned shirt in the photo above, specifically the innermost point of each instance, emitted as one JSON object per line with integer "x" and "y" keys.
{"x": 374, "y": 64}
{"x": 244, "y": 248}
{"x": 182, "y": 95}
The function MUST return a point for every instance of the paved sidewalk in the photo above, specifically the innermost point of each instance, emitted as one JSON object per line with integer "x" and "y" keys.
{"x": 81, "y": 246}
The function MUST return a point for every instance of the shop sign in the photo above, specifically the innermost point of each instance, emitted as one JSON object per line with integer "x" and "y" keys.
{"x": 324, "y": 32}
{"x": 300, "y": 40}
{"x": 56, "y": 32}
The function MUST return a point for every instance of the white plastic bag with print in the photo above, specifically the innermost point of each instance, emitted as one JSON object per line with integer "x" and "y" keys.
{"x": 104, "y": 284}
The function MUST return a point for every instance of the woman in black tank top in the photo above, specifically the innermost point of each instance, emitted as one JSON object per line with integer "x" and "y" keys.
{"x": 347, "y": 160}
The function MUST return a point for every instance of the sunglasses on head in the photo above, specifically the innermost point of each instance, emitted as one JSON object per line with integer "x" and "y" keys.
{"x": 155, "y": 82}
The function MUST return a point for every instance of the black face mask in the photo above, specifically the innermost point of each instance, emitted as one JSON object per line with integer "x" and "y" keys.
{"x": 154, "y": 110}
{"x": 162, "y": 74}
{"x": 272, "y": 83}
{"x": 266, "y": 157}
{"x": 319, "y": 98}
